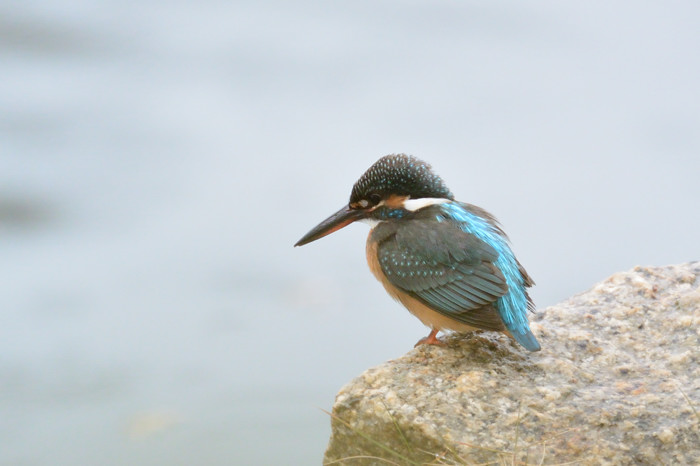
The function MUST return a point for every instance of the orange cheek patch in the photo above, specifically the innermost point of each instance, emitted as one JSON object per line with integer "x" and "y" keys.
{"x": 395, "y": 202}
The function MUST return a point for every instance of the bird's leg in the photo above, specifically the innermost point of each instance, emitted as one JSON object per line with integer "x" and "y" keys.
{"x": 431, "y": 339}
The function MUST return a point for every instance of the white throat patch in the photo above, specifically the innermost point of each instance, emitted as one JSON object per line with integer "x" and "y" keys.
{"x": 372, "y": 222}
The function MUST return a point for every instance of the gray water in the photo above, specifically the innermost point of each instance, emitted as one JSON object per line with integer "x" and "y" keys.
{"x": 158, "y": 160}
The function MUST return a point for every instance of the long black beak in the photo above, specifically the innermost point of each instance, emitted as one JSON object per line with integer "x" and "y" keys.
{"x": 335, "y": 222}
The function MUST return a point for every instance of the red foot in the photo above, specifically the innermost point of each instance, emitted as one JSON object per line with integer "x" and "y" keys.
{"x": 430, "y": 339}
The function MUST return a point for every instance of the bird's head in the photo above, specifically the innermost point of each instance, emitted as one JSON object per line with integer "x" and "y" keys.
{"x": 395, "y": 185}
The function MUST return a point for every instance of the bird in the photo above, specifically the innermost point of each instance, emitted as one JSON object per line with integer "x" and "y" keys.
{"x": 448, "y": 262}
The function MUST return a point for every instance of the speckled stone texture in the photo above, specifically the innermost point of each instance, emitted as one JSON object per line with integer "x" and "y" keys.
{"x": 617, "y": 382}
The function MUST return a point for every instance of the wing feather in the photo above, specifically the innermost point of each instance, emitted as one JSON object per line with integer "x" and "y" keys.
{"x": 448, "y": 269}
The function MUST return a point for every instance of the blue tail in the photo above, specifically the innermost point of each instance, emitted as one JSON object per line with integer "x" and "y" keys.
{"x": 514, "y": 305}
{"x": 527, "y": 339}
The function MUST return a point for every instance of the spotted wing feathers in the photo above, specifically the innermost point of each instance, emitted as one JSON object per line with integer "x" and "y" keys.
{"x": 449, "y": 270}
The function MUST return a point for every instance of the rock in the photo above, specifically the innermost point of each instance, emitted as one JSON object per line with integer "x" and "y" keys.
{"x": 617, "y": 382}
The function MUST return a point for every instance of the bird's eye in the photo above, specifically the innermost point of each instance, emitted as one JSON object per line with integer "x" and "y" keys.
{"x": 375, "y": 198}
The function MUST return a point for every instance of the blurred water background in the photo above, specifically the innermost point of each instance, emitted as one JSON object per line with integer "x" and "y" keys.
{"x": 159, "y": 159}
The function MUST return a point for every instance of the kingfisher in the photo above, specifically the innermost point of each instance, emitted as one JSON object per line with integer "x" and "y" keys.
{"x": 449, "y": 263}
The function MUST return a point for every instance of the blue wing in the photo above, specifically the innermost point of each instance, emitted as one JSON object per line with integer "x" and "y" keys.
{"x": 457, "y": 260}
{"x": 448, "y": 269}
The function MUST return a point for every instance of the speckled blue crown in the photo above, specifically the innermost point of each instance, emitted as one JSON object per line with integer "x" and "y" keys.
{"x": 400, "y": 174}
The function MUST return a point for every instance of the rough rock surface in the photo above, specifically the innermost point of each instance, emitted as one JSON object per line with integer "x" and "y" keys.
{"x": 617, "y": 382}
